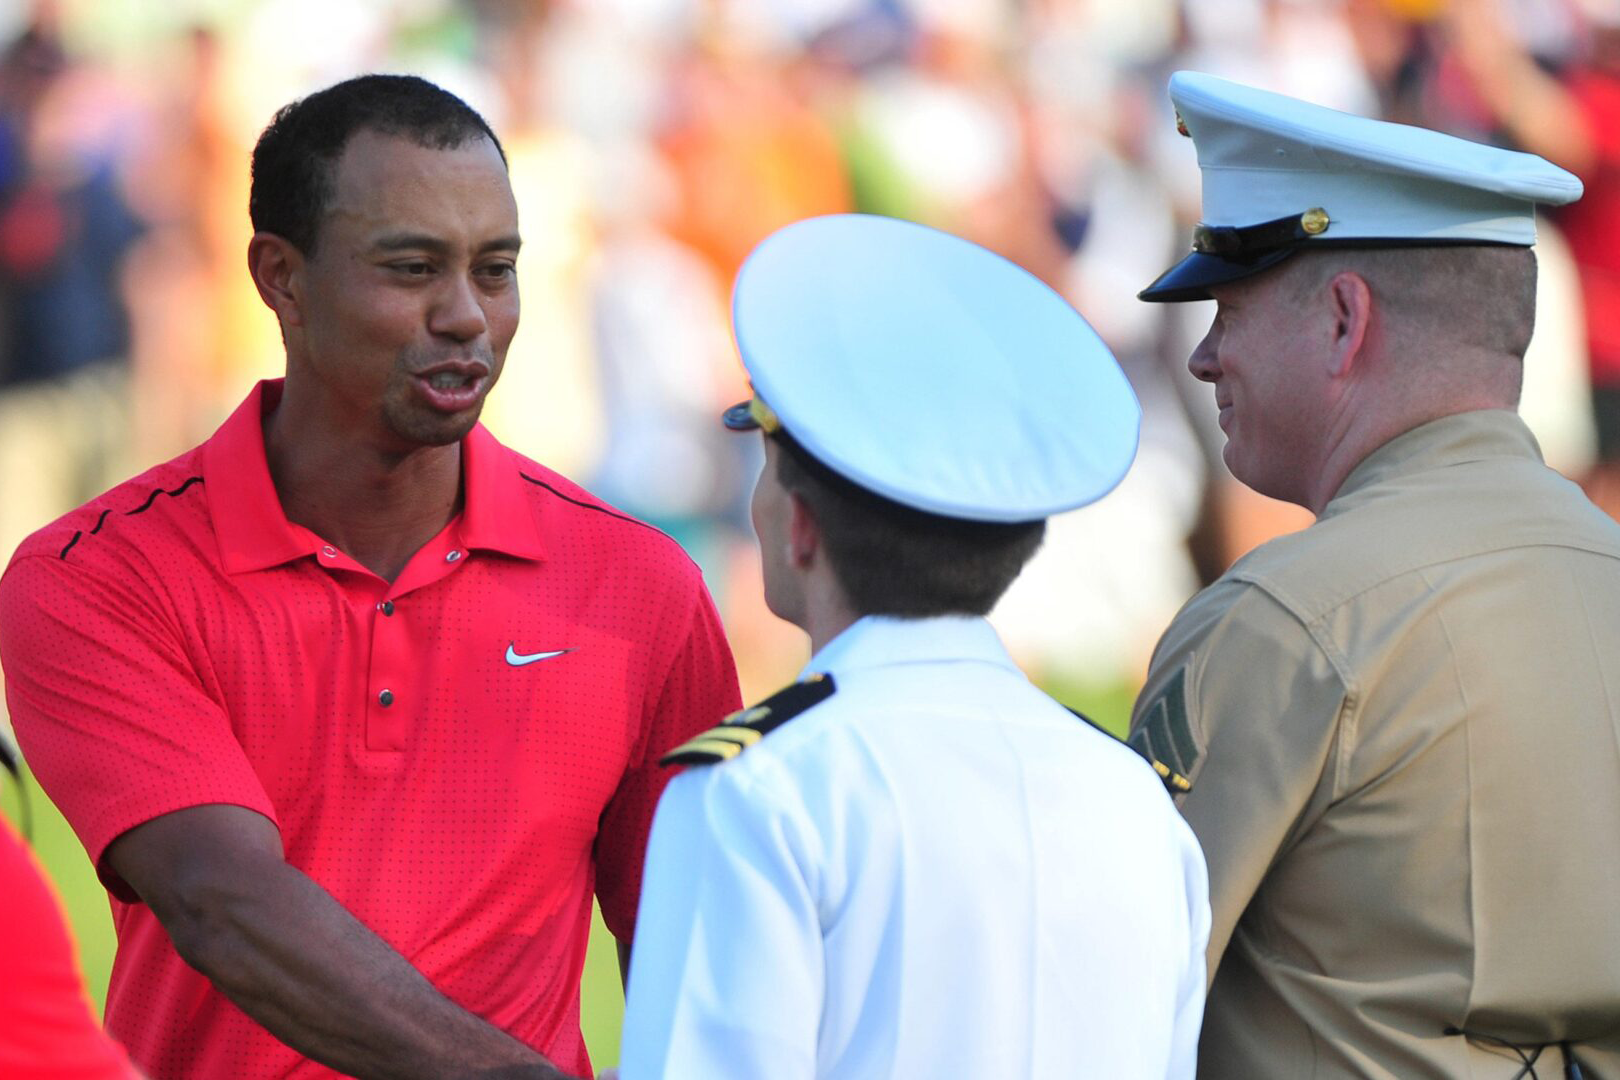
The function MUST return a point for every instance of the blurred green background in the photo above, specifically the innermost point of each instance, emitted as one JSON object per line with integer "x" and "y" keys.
{"x": 601, "y": 998}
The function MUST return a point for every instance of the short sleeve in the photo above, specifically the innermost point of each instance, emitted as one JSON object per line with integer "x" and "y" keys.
{"x": 698, "y": 690}
{"x": 1252, "y": 697}
{"x": 726, "y": 980}
{"x": 108, "y": 710}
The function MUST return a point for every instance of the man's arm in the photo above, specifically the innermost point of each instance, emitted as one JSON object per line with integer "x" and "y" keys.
{"x": 295, "y": 960}
{"x": 1538, "y": 112}
{"x": 1241, "y": 688}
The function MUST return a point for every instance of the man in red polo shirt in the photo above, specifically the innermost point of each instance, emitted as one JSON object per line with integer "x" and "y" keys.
{"x": 352, "y": 707}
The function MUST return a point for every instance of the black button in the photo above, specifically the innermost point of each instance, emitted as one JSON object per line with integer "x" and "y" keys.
{"x": 386, "y": 698}
{"x": 386, "y": 607}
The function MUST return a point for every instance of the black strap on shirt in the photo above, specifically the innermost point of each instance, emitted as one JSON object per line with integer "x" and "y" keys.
{"x": 1528, "y": 1053}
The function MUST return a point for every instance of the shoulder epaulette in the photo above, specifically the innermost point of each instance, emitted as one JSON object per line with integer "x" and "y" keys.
{"x": 1164, "y": 736}
{"x": 745, "y": 727}
{"x": 1141, "y": 742}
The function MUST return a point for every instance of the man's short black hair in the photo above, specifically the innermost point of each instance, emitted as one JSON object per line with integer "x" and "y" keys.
{"x": 295, "y": 157}
{"x": 894, "y": 560}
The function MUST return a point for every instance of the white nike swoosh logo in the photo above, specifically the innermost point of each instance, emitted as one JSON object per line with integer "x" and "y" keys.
{"x": 517, "y": 659}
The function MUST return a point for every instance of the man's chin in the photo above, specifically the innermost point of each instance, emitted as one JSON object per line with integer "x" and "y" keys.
{"x": 437, "y": 429}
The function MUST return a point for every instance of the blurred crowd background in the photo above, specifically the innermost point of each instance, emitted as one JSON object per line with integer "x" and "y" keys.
{"x": 654, "y": 142}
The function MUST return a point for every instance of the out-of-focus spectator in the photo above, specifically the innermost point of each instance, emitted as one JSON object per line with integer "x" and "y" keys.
{"x": 1572, "y": 118}
{"x": 748, "y": 152}
{"x": 1090, "y": 605}
{"x": 664, "y": 359}
{"x": 549, "y": 406}
{"x": 64, "y": 222}
{"x": 65, "y": 228}
{"x": 47, "y": 1028}
{"x": 188, "y": 180}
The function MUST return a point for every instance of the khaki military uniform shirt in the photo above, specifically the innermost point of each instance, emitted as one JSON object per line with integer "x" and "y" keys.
{"x": 1399, "y": 735}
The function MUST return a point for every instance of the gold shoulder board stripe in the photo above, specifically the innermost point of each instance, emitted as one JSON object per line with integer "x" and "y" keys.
{"x": 734, "y": 739}
{"x": 746, "y": 727}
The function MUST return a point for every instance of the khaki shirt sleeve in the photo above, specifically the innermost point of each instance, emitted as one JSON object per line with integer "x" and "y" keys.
{"x": 1241, "y": 687}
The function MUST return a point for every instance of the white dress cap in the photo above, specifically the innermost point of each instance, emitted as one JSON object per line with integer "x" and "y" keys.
{"x": 929, "y": 371}
{"x": 1282, "y": 175}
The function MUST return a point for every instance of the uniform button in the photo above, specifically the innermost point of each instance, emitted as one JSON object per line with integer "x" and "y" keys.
{"x": 329, "y": 552}
{"x": 386, "y": 698}
{"x": 453, "y": 556}
{"x": 386, "y": 607}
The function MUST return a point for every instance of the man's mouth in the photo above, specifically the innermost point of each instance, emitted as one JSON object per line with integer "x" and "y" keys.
{"x": 453, "y": 387}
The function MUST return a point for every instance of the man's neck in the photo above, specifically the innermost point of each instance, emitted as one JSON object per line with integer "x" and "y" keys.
{"x": 826, "y": 613}
{"x": 1348, "y": 454}
{"x": 826, "y": 627}
{"x": 379, "y": 507}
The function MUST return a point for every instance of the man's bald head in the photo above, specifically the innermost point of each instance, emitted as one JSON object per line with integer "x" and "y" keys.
{"x": 1474, "y": 298}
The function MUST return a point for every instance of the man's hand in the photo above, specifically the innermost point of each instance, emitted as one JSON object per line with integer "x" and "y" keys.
{"x": 294, "y": 959}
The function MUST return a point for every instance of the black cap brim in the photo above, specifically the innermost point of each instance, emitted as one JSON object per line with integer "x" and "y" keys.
{"x": 1191, "y": 278}
{"x": 740, "y": 418}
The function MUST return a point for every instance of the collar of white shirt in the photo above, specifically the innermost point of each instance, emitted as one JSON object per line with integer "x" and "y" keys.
{"x": 882, "y": 640}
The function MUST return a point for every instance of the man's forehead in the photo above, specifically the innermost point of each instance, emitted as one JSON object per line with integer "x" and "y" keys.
{"x": 371, "y": 156}
{"x": 1249, "y": 288}
{"x": 1300, "y": 270}
{"x": 391, "y": 185}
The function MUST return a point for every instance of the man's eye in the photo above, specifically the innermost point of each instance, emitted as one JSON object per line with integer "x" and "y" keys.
{"x": 499, "y": 271}
{"x": 413, "y": 269}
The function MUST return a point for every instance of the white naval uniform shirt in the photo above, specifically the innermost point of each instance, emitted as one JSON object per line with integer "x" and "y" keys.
{"x": 936, "y": 872}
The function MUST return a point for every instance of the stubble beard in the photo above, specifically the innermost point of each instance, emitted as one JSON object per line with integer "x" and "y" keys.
{"x": 413, "y": 422}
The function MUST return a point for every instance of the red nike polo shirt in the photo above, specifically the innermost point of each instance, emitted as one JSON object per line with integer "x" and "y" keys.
{"x": 459, "y": 757}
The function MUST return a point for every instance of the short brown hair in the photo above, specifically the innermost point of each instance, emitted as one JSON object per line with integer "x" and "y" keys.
{"x": 894, "y": 560}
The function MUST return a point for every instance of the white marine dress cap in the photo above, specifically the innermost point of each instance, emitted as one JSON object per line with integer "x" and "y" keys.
{"x": 1282, "y": 175}
{"x": 929, "y": 371}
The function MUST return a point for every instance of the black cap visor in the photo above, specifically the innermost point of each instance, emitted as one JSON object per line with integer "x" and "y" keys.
{"x": 1191, "y": 278}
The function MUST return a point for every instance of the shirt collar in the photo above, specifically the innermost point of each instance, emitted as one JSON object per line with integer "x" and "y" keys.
{"x": 1451, "y": 440}
{"x": 253, "y": 530}
{"x": 882, "y": 640}
{"x": 499, "y": 511}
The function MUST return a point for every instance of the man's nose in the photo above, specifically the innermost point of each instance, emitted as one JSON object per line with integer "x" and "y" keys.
{"x": 459, "y": 313}
{"x": 1202, "y": 361}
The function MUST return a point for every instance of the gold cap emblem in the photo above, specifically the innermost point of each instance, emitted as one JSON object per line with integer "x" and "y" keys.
{"x": 1315, "y": 220}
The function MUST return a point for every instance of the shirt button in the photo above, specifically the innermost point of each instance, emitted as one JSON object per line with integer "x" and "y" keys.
{"x": 386, "y": 607}
{"x": 386, "y": 698}
{"x": 453, "y": 556}
{"x": 328, "y": 552}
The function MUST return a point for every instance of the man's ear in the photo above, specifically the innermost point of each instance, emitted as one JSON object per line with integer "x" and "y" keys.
{"x": 804, "y": 534}
{"x": 277, "y": 268}
{"x": 1352, "y": 314}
